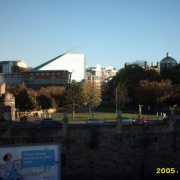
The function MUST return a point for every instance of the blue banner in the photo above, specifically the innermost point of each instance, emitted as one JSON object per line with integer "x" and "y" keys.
{"x": 38, "y": 158}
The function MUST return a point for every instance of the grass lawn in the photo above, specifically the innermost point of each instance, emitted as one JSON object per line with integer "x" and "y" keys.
{"x": 100, "y": 115}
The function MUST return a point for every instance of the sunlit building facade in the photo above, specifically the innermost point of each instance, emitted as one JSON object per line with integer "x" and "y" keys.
{"x": 74, "y": 63}
{"x": 100, "y": 75}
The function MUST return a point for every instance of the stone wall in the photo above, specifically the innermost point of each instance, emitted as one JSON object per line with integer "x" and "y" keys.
{"x": 109, "y": 152}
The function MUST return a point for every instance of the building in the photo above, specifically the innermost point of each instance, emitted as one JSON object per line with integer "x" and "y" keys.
{"x": 57, "y": 71}
{"x": 100, "y": 75}
{"x": 108, "y": 73}
{"x": 10, "y": 72}
{"x": 74, "y": 63}
{"x": 35, "y": 79}
{"x": 12, "y": 66}
{"x": 168, "y": 62}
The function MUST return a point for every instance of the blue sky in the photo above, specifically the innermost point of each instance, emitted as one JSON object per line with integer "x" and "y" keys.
{"x": 108, "y": 32}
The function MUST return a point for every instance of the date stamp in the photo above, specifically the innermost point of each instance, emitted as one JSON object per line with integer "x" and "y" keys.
{"x": 167, "y": 171}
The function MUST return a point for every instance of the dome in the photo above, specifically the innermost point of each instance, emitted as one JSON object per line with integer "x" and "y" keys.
{"x": 168, "y": 62}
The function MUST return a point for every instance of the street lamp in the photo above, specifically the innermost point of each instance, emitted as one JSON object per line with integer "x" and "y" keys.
{"x": 140, "y": 111}
{"x": 116, "y": 100}
{"x": 93, "y": 98}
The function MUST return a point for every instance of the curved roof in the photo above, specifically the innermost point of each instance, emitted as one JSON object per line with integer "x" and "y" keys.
{"x": 168, "y": 62}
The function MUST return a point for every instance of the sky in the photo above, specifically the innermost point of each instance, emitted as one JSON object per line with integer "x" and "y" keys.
{"x": 108, "y": 32}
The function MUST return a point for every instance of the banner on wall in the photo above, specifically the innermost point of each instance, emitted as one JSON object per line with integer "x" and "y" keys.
{"x": 27, "y": 162}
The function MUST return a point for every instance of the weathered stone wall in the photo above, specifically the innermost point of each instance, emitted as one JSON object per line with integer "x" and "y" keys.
{"x": 109, "y": 152}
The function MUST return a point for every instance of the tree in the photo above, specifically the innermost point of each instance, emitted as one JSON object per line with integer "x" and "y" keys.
{"x": 139, "y": 63}
{"x": 130, "y": 76}
{"x": 45, "y": 101}
{"x": 73, "y": 97}
{"x": 23, "y": 100}
{"x": 171, "y": 73}
{"x": 91, "y": 94}
{"x": 56, "y": 92}
{"x": 121, "y": 95}
{"x": 153, "y": 93}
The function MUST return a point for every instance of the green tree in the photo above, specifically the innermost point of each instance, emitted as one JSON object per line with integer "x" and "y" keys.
{"x": 45, "y": 101}
{"x": 73, "y": 97}
{"x": 171, "y": 73}
{"x": 23, "y": 100}
{"x": 130, "y": 76}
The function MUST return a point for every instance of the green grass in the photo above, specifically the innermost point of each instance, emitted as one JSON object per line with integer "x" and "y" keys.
{"x": 100, "y": 115}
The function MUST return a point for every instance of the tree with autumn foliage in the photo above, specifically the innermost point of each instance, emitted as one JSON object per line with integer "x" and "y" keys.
{"x": 121, "y": 95}
{"x": 153, "y": 93}
{"x": 91, "y": 94}
{"x": 55, "y": 92}
{"x": 131, "y": 75}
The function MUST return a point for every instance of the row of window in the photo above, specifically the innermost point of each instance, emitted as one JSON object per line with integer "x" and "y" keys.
{"x": 45, "y": 73}
{"x": 10, "y": 75}
{"x": 46, "y": 81}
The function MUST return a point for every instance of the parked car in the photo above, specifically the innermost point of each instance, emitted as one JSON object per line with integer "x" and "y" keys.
{"x": 140, "y": 121}
{"x": 166, "y": 120}
{"x": 3, "y": 120}
{"x": 126, "y": 120}
{"x": 177, "y": 117}
{"x": 24, "y": 119}
{"x": 92, "y": 121}
{"x": 49, "y": 122}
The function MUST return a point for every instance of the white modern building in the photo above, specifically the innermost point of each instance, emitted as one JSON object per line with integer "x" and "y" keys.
{"x": 74, "y": 63}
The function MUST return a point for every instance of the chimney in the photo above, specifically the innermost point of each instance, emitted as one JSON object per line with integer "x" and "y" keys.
{"x": 146, "y": 64}
{"x": 126, "y": 64}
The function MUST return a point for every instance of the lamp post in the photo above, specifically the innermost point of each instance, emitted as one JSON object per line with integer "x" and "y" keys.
{"x": 116, "y": 100}
{"x": 93, "y": 98}
{"x": 140, "y": 111}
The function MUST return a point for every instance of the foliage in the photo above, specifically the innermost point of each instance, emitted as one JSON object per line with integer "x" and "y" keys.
{"x": 23, "y": 100}
{"x": 152, "y": 92}
{"x": 139, "y": 62}
{"x": 121, "y": 95}
{"x": 56, "y": 92}
{"x": 147, "y": 87}
{"x": 45, "y": 101}
{"x": 73, "y": 96}
{"x": 171, "y": 73}
{"x": 91, "y": 94}
{"x": 130, "y": 76}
